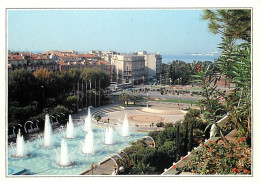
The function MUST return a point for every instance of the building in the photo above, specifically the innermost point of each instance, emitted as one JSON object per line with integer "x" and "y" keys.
{"x": 153, "y": 65}
{"x": 17, "y": 61}
{"x": 128, "y": 68}
{"x": 37, "y": 62}
{"x": 99, "y": 64}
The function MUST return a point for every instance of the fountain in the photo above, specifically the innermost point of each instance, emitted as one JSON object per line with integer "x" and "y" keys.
{"x": 70, "y": 128}
{"x": 47, "y": 132}
{"x": 125, "y": 127}
{"x": 64, "y": 156}
{"x": 88, "y": 145}
{"x": 109, "y": 136}
{"x": 87, "y": 125}
{"x": 73, "y": 156}
{"x": 20, "y": 147}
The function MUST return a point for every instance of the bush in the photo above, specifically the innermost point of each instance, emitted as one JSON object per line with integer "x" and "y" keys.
{"x": 60, "y": 109}
{"x": 161, "y": 124}
{"x": 168, "y": 125}
{"x": 98, "y": 117}
{"x": 217, "y": 158}
{"x": 169, "y": 134}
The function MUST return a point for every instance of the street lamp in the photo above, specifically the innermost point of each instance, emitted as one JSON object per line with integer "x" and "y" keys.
{"x": 86, "y": 93}
{"x": 160, "y": 79}
{"x": 147, "y": 99}
{"x": 90, "y": 92}
{"x": 99, "y": 89}
{"x": 42, "y": 92}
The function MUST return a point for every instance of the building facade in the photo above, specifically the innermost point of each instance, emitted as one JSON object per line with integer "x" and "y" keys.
{"x": 128, "y": 68}
{"x": 153, "y": 65}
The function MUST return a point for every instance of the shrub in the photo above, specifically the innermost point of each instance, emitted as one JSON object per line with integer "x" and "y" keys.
{"x": 217, "y": 158}
{"x": 98, "y": 117}
{"x": 168, "y": 125}
{"x": 161, "y": 124}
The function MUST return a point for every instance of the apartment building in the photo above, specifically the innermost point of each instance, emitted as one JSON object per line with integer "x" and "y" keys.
{"x": 128, "y": 68}
{"x": 153, "y": 64}
{"x": 99, "y": 64}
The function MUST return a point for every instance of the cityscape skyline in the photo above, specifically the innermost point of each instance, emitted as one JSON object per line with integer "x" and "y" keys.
{"x": 165, "y": 31}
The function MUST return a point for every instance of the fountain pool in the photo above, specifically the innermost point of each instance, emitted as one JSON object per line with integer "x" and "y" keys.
{"x": 43, "y": 161}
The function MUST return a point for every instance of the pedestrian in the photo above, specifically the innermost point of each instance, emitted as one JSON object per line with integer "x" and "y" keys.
{"x": 107, "y": 120}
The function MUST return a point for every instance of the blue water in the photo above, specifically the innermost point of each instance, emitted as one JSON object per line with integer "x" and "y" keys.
{"x": 188, "y": 58}
{"x": 43, "y": 161}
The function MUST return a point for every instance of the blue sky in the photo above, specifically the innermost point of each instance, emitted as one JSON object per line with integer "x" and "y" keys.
{"x": 164, "y": 31}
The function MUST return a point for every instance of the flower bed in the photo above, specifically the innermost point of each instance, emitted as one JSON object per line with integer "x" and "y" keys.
{"x": 218, "y": 158}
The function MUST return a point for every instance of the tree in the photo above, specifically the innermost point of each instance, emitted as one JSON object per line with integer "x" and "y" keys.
{"x": 125, "y": 98}
{"x": 72, "y": 102}
{"x": 230, "y": 23}
{"x": 133, "y": 98}
{"x": 22, "y": 87}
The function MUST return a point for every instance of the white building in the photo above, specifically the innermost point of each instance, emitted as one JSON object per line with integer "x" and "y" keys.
{"x": 128, "y": 68}
{"x": 153, "y": 65}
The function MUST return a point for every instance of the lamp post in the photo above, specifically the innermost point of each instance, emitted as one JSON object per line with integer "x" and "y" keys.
{"x": 147, "y": 99}
{"x": 160, "y": 79}
{"x": 95, "y": 92}
{"x": 42, "y": 92}
{"x": 86, "y": 94}
{"x": 90, "y": 92}
{"x": 99, "y": 89}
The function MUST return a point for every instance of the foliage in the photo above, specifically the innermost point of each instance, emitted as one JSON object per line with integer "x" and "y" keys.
{"x": 234, "y": 65}
{"x": 133, "y": 98}
{"x": 72, "y": 102}
{"x": 98, "y": 117}
{"x": 47, "y": 89}
{"x": 15, "y": 114}
{"x": 193, "y": 116}
{"x": 168, "y": 125}
{"x": 22, "y": 87}
{"x": 238, "y": 101}
{"x": 169, "y": 134}
{"x": 230, "y": 23}
{"x": 160, "y": 124}
{"x": 60, "y": 109}
{"x": 144, "y": 159}
{"x": 218, "y": 158}
{"x": 125, "y": 98}
{"x": 178, "y": 71}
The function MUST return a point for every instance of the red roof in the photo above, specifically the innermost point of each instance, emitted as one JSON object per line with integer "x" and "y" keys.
{"x": 103, "y": 62}
{"x": 15, "y": 57}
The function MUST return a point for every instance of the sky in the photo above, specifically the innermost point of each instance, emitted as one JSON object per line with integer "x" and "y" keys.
{"x": 167, "y": 31}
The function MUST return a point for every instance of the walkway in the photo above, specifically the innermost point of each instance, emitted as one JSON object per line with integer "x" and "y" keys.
{"x": 106, "y": 168}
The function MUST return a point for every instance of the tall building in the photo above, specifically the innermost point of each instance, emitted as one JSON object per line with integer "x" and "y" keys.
{"x": 128, "y": 68}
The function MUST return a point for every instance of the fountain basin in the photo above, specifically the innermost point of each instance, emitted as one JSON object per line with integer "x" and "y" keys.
{"x": 43, "y": 161}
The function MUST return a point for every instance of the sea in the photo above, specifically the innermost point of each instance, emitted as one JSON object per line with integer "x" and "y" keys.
{"x": 188, "y": 58}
